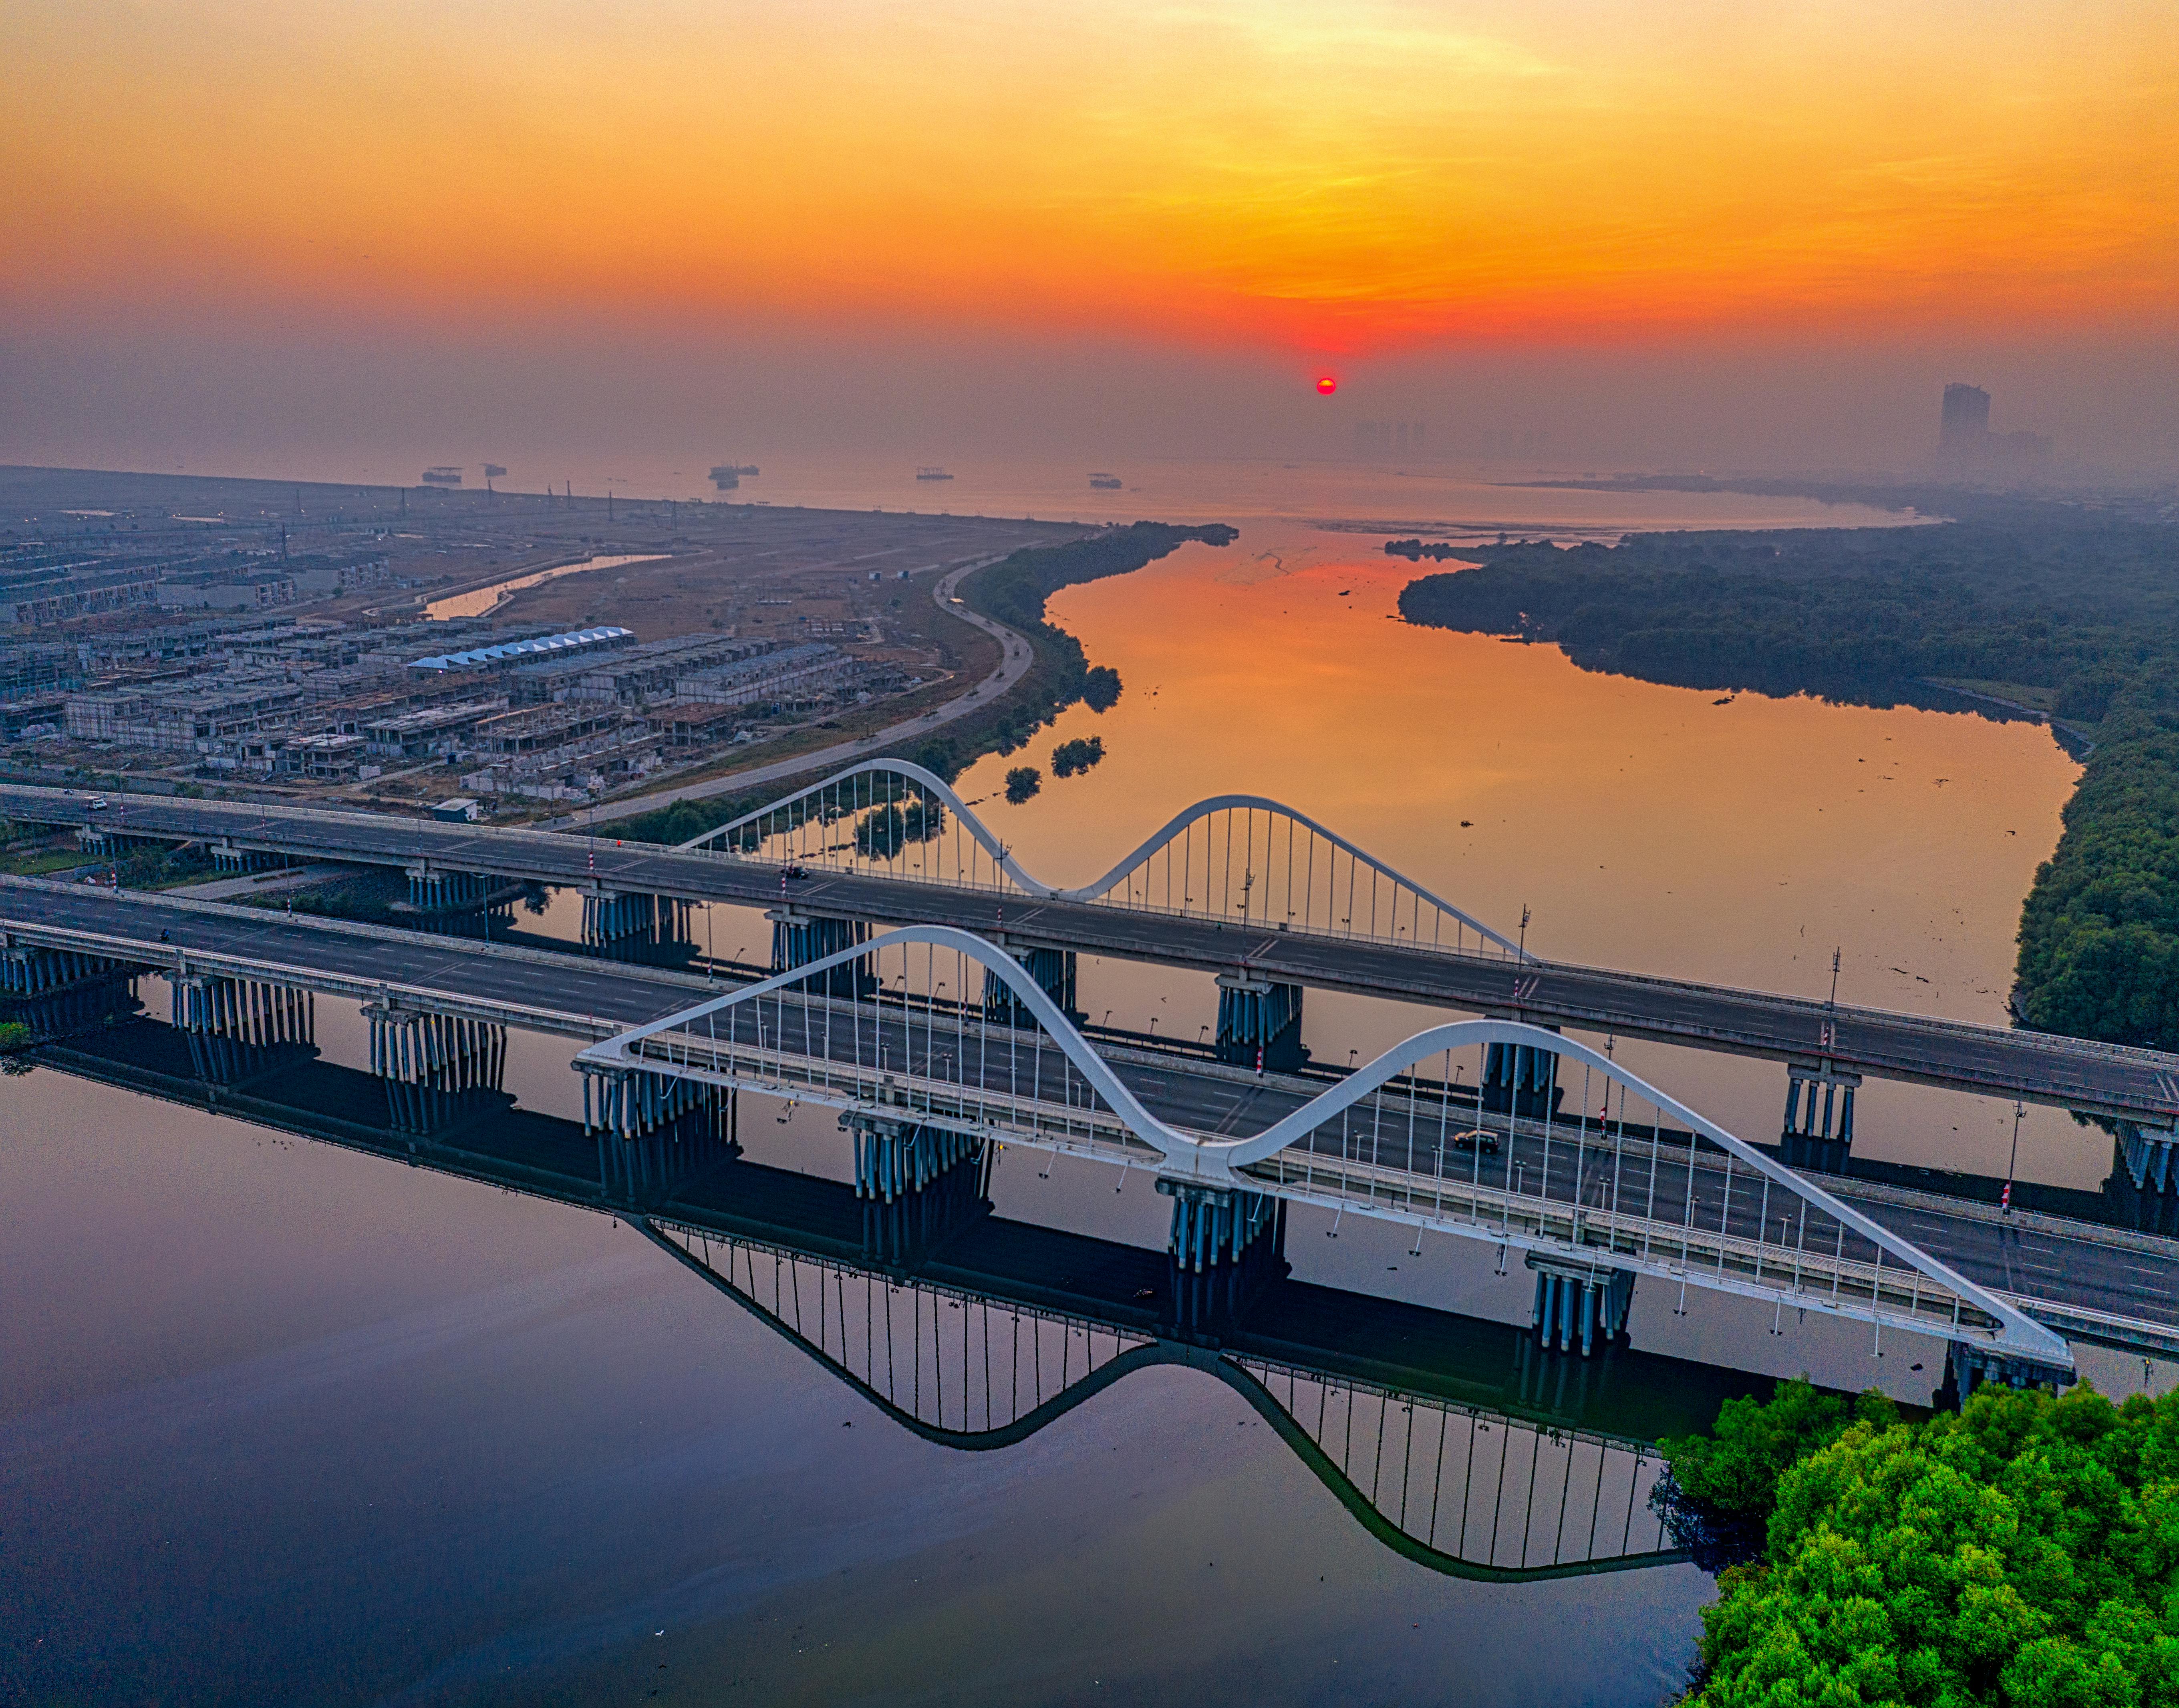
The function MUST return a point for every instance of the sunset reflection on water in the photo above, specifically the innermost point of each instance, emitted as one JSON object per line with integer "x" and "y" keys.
{"x": 1644, "y": 827}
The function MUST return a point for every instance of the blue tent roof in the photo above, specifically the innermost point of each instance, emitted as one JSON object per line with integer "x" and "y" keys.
{"x": 543, "y": 647}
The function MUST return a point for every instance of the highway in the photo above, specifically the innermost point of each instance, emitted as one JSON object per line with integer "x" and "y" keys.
{"x": 2087, "y": 1281}
{"x": 2140, "y": 1085}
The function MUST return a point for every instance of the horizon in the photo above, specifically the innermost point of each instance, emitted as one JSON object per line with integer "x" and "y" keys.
{"x": 323, "y": 239}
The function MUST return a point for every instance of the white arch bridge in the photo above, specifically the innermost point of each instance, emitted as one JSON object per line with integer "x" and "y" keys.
{"x": 933, "y": 1043}
{"x": 1240, "y": 858}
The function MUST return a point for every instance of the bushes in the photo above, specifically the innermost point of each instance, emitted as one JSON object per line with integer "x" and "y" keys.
{"x": 1719, "y": 1490}
{"x": 2024, "y": 1553}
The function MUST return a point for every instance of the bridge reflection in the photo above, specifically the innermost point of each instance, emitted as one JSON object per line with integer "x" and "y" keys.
{"x": 1464, "y": 1446}
{"x": 1465, "y": 1489}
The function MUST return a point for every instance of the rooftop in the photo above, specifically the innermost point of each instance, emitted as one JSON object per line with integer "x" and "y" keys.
{"x": 544, "y": 646}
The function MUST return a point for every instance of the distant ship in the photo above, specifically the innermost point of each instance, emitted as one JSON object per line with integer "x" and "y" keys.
{"x": 726, "y": 476}
{"x": 932, "y": 475}
{"x": 446, "y": 474}
{"x": 1110, "y": 483}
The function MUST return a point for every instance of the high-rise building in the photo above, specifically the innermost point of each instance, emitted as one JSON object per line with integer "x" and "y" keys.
{"x": 1964, "y": 430}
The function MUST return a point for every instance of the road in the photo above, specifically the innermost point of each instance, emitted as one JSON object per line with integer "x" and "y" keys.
{"x": 2110, "y": 1283}
{"x": 2140, "y": 1085}
{"x": 1015, "y": 658}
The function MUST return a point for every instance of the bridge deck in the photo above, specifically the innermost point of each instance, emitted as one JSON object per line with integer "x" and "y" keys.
{"x": 2106, "y": 1283}
{"x": 2141, "y": 1085}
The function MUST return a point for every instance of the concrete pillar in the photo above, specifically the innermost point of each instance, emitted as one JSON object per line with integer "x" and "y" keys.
{"x": 1260, "y": 1024}
{"x": 1579, "y": 1306}
{"x": 1521, "y": 1079}
{"x": 1053, "y": 971}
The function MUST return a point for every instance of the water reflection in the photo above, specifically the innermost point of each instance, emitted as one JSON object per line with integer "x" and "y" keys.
{"x": 1468, "y": 1490}
{"x": 1461, "y": 1444}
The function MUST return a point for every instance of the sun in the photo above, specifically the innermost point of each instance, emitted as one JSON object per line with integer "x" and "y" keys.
{"x": 1326, "y": 386}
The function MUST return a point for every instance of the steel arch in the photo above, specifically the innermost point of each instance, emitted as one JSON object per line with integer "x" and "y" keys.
{"x": 1218, "y": 1162}
{"x": 1003, "y": 861}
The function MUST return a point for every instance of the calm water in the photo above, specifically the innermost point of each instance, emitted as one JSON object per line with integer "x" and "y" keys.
{"x": 478, "y": 600}
{"x": 1642, "y": 826}
{"x": 1476, "y": 500}
{"x": 282, "y": 1422}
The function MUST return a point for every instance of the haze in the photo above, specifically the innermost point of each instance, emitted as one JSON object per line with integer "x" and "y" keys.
{"x": 312, "y": 237}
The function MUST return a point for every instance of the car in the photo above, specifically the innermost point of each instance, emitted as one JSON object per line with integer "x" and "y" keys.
{"x": 1480, "y": 1138}
{"x": 99, "y": 803}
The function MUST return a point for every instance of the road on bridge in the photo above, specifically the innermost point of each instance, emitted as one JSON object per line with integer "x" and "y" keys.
{"x": 2140, "y": 1085}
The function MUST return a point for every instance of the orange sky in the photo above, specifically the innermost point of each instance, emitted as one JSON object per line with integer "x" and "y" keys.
{"x": 1299, "y": 177}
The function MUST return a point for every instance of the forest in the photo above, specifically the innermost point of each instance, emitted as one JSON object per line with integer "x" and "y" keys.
{"x": 2023, "y": 1552}
{"x": 2047, "y": 606}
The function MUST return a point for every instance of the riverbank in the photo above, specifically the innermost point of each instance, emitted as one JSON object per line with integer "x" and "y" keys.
{"x": 2082, "y": 607}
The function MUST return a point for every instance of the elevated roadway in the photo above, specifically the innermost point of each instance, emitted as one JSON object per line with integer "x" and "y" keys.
{"x": 2137, "y": 1086}
{"x": 2110, "y": 1285}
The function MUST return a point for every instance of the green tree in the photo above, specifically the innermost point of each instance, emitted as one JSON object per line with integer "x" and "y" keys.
{"x": 2025, "y": 1553}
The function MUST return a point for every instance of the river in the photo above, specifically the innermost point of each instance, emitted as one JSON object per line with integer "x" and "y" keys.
{"x": 282, "y": 1420}
{"x": 477, "y": 601}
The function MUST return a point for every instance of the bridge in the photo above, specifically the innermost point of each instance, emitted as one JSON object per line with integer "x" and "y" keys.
{"x": 937, "y": 1050}
{"x": 1264, "y": 899}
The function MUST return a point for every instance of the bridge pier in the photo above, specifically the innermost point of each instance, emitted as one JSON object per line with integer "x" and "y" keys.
{"x": 27, "y": 970}
{"x": 2143, "y": 1184}
{"x": 1578, "y": 1306}
{"x": 654, "y": 1130}
{"x": 1225, "y": 1246}
{"x": 1260, "y": 1024}
{"x": 435, "y": 890}
{"x": 1967, "y": 1368}
{"x": 75, "y": 1006}
{"x": 430, "y": 1064}
{"x": 917, "y": 1185}
{"x": 613, "y": 919}
{"x": 2148, "y": 1157}
{"x": 1817, "y": 1097}
{"x": 1054, "y": 971}
{"x": 1522, "y": 1080}
{"x": 896, "y": 1158}
{"x": 630, "y": 1105}
{"x": 233, "y": 1023}
{"x": 799, "y": 938}
{"x": 101, "y": 841}
{"x": 227, "y": 857}
{"x": 249, "y": 1010}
